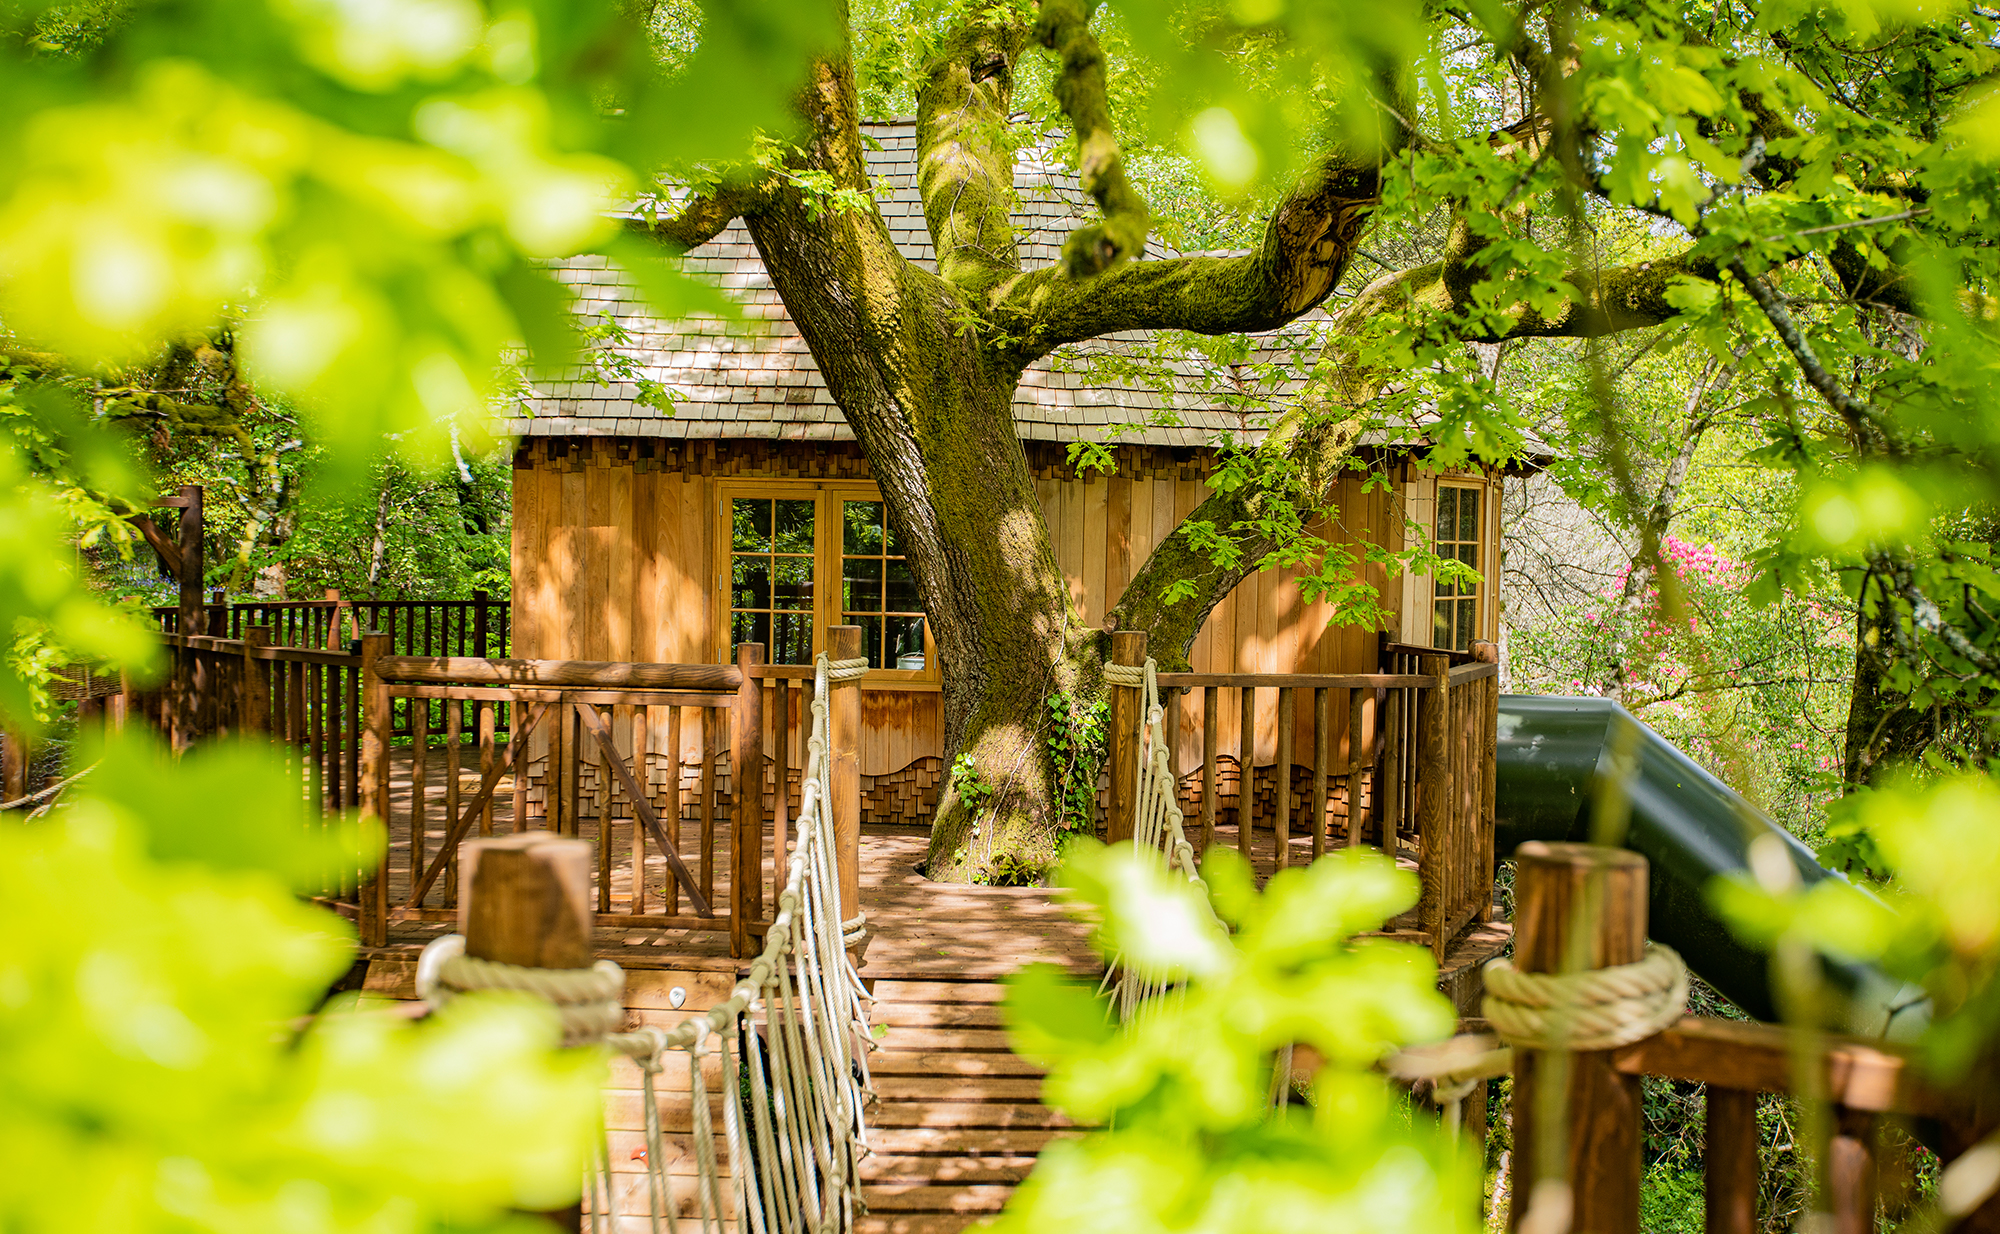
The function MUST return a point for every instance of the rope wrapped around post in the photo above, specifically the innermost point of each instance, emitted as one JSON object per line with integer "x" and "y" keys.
{"x": 1597, "y": 1009}
{"x": 790, "y": 1041}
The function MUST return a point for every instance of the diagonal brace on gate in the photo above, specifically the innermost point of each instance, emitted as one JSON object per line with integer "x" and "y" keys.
{"x": 600, "y": 732}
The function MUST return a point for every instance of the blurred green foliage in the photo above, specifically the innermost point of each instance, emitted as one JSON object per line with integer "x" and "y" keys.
{"x": 1192, "y": 1143}
{"x": 1933, "y": 918}
{"x": 155, "y": 1072}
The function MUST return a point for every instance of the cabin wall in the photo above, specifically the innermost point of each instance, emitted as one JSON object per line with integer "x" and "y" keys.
{"x": 618, "y": 555}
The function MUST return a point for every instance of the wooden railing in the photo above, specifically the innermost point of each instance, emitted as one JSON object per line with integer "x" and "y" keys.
{"x": 477, "y": 627}
{"x": 304, "y": 700}
{"x": 425, "y": 743}
{"x": 1578, "y": 900}
{"x": 1402, "y": 760}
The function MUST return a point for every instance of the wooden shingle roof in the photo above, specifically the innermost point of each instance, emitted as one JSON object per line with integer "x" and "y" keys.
{"x": 756, "y": 379}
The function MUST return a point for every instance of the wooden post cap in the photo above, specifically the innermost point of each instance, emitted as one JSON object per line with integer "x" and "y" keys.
{"x": 1555, "y": 881}
{"x": 527, "y": 900}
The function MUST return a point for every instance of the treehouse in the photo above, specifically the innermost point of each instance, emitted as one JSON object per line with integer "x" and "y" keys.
{"x": 715, "y": 496}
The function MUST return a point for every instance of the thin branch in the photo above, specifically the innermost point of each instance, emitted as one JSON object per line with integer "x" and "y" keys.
{"x": 1898, "y": 217}
{"x": 1864, "y": 420}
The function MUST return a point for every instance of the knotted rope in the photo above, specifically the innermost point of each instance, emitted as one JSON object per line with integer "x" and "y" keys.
{"x": 1596, "y": 1009}
{"x": 790, "y": 1043}
{"x": 589, "y": 1000}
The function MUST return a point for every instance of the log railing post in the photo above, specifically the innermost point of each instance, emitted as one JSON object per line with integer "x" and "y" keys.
{"x": 1434, "y": 799}
{"x": 1577, "y": 1119}
{"x": 527, "y": 903}
{"x": 1128, "y": 647}
{"x": 1853, "y": 1172}
{"x": 746, "y": 809}
{"x": 843, "y": 723}
{"x": 1729, "y": 1161}
{"x": 372, "y": 781}
{"x": 253, "y": 709}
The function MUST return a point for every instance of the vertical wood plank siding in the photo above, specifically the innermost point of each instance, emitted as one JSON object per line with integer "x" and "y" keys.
{"x": 615, "y": 557}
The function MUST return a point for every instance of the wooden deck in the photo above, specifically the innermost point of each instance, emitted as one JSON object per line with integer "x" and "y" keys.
{"x": 959, "y": 1118}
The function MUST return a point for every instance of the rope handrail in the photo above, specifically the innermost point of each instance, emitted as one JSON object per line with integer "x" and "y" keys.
{"x": 1157, "y": 823}
{"x": 794, "y": 1085}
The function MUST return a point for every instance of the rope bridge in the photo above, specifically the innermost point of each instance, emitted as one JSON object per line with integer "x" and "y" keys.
{"x": 790, "y": 1042}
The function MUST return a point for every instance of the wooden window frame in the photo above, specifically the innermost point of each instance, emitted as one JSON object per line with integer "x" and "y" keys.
{"x": 1418, "y": 497}
{"x": 1481, "y": 548}
{"x": 827, "y": 496}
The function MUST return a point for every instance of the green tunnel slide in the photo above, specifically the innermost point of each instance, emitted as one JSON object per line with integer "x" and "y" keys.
{"x": 1691, "y": 827}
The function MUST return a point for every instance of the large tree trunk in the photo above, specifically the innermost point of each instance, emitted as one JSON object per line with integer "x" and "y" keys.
{"x": 924, "y": 365}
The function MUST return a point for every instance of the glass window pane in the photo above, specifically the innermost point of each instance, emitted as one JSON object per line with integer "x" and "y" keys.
{"x": 792, "y": 641}
{"x": 871, "y": 636}
{"x": 890, "y": 544}
{"x": 1441, "y": 625}
{"x": 1468, "y": 514}
{"x": 905, "y": 637}
{"x": 752, "y": 576}
{"x": 1469, "y": 554}
{"x": 1447, "y": 518}
{"x": 900, "y": 594}
{"x": 751, "y": 520}
{"x": 793, "y": 586}
{"x": 794, "y": 527}
{"x": 749, "y": 628}
{"x": 861, "y": 527}
{"x": 1445, "y": 587}
{"x": 861, "y": 584}
{"x": 1466, "y": 617}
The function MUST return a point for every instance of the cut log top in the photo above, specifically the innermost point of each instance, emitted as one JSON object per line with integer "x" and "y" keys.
{"x": 441, "y": 670}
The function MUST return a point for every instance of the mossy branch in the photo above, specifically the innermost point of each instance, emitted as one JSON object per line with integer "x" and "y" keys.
{"x": 1063, "y": 26}
{"x": 701, "y": 218}
{"x": 965, "y": 163}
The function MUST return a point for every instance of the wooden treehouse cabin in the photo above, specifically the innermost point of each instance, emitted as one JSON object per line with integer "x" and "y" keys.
{"x": 743, "y": 512}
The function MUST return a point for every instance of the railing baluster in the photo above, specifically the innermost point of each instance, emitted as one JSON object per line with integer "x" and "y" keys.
{"x": 1208, "y": 786}
{"x": 1246, "y": 757}
{"x": 642, "y": 747}
{"x": 781, "y": 781}
{"x": 605, "y": 808}
{"x": 706, "y": 797}
{"x": 454, "y": 752}
{"x": 1357, "y": 760}
{"x": 671, "y": 893}
{"x": 420, "y": 769}
{"x": 1322, "y": 756}
{"x": 1281, "y": 791}
{"x": 1729, "y": 1161}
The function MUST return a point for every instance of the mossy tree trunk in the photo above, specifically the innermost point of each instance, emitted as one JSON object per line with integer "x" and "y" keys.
{"x": 924, "y": 367}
